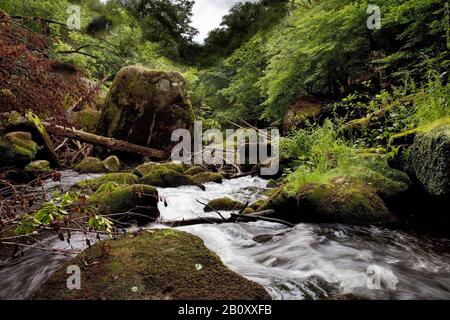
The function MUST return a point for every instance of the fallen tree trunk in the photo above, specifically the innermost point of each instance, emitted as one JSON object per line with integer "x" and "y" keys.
{"x": 235, "y": 217}
{"x": 109, "y": 143}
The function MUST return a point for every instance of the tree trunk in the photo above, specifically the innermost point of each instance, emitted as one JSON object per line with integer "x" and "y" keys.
{"x": 109, "y": 143}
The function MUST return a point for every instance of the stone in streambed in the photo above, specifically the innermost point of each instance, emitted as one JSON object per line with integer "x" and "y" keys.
{"x": 168, "y": 178}
{"x": 153, "y": 265}
{"x": 118, "y": 178}
{"x": 127, "y": 203}
{"x": 204, "y": 177}
{"x": 224, "y": 204}
{"x": 90, "y": 165}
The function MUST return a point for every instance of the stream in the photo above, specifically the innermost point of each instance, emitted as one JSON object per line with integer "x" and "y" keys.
{"x": 309, "y": 261}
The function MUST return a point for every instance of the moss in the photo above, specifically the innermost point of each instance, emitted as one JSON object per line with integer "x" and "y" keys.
{"x": 257, "y": 204}
{"x": 223, "y": 204}
{"x": 37, "y": 168}
{"x": 17, "y": 148}
{"x": 429, "y": 161}
{"x": 204, "y": 177}
{"x": 132, "y": 202}
{"x": 161, "y": 264}
{"x": 112, "y": 164}
{"x": 91, "y": 165}
{"x": 248, "y": 211}
{"x": 119, "y": 178}
{"x": 341, "y": 202}
{"x": 168, "y": 178}
{"x": 407, "y": 137}
{"x": 194, "y": 170}
{"x": 148, "y": 167}
{"x": 86, "y": 119}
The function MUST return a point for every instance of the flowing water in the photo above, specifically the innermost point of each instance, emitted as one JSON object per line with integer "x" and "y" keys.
{"x": 306, "y": 262}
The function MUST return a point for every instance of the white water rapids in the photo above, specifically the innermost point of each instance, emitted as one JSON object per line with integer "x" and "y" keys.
{"x": 306, "y": 262}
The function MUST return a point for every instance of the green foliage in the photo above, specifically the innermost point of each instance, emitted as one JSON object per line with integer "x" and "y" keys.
{"x": 50, "y": 212}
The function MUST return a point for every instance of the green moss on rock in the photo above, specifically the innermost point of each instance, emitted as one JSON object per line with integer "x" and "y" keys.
{"x": 223, "y": 204}
{"x": 112, "y": 164}
{"x": 341, "y": 202}
{"x": 154, "y": 265}
{"x": 37, "y": 168}
{"x": 119, "y": 178}
{"x": 148, "y": 167}
{"x": 17, "y": 148}
{"x": 91, "y": 165}
{"x": 194, "y": 170}
{"x": 168, "y": 178}
{"x": 132, "y": 202}
{"x": 204, "y": 177}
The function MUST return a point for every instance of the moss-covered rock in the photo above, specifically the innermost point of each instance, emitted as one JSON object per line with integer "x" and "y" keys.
{"x": 168, "y": 178}
{"x": 86, "y": 119}
{"x": 424, "y": 154}
{"x": 118, "y": 178}
{"x": 137, "y": 203}
{"x": 91, "y": 165}
{"x": 17, "y": 149}
{"x": 148, "y": 167}
{"x": 144, "y": 107}
{"x": 154, "y": 265}
{"x": 38, "y": 168}
{"x": 192, "y": 171}
{"x": 341, "y": 202}
{"x": 224, "y": 204}
{"x": 368, "y": 193}
{"x": 429, "y": 161}
{"x": 112, "y": 164}
{"x": 204, "y": 177}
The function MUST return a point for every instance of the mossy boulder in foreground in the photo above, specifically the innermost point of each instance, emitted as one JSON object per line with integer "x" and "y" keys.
{"x": 168, "y": 178}
{"x": 127, "y": 203}
{"x": 156, "y": 264}
{"x": 145, "y": 106}
{"x": 112, "y": 164}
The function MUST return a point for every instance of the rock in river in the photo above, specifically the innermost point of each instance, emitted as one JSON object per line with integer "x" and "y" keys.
{"x": 144, "y": 106}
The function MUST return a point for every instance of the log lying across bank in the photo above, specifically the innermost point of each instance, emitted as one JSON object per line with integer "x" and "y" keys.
{"x": 109, "y": 143}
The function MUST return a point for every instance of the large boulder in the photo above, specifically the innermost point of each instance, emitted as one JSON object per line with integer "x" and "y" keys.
{"x": 144, "y": 106}
{"x": 154, "y": 265}
{"x": 427, "y": 160}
